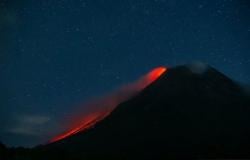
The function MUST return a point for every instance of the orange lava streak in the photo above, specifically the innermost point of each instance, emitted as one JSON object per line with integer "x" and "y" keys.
{"x": 87, "y": 122}
{"x": 108, "y": 103}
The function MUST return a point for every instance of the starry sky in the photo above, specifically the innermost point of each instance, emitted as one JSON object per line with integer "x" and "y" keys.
{"x": 56, "y": 54}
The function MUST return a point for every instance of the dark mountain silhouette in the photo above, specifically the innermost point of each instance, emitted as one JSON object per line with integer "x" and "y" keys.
{"x": 188, "y": 112}
{"x": 3, "y": 150}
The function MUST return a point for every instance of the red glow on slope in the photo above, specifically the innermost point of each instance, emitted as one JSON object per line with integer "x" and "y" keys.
{"x": 87, "y": 122}
{"x": 105, "y": 105}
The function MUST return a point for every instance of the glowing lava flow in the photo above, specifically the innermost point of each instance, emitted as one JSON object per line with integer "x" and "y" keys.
{"x": 105, "y": 105}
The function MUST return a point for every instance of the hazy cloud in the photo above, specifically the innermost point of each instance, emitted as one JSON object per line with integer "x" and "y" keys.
{"x": 29, "y": 125}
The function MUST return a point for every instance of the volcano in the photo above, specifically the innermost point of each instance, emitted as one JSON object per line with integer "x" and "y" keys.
{"x": 190, "y": 111}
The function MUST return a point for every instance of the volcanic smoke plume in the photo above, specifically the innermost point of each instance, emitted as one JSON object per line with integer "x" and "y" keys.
{"x": 102, "y": 107}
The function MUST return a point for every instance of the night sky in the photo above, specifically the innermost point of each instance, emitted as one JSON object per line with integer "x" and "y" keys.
{"x": 57, "y": 54}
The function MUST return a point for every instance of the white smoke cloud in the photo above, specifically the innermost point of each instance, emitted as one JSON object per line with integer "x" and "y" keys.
{"x": 198, "y": 67}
